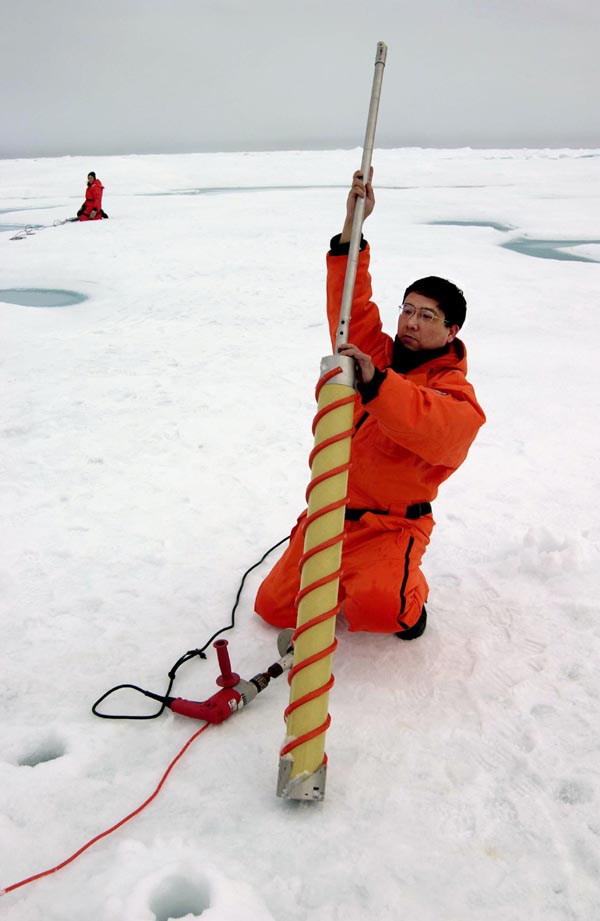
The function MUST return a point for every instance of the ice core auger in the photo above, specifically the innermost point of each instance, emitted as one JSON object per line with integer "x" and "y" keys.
{"x": 302, "y": 765}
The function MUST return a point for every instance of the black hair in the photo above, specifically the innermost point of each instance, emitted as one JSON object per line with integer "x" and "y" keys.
{"x": 450, "y": 299}
{"x": 92, "y": 173}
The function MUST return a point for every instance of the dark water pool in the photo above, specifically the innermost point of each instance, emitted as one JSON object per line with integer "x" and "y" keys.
{"x": 41, "y": 297}
{"x": 550, "y": 249}
{"x": 527, "y": 246}
{"x": 494, "y": 225}
{"x": 223, "y": 190}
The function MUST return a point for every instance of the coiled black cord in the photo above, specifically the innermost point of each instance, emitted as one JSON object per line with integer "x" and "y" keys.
{"x": 190, "y": 654}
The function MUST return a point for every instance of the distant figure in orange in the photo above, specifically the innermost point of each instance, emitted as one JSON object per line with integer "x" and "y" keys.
{"x": 91, "y": 209}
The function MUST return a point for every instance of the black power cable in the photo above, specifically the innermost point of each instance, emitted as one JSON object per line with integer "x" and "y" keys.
{"x": 190, "y": 654}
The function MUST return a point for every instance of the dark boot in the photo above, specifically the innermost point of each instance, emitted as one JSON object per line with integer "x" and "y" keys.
{"x": 416, "y": 630}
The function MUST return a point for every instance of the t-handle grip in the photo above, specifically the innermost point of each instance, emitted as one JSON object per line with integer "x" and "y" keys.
{"x": 227, "y": 678}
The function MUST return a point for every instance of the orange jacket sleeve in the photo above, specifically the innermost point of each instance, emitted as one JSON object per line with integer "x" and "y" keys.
{"x": 438, "y": 422}
{"x": 432, "y": 412}
{"x": 365, "y": 329}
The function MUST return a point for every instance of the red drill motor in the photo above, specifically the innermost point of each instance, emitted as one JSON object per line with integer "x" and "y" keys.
{"x": 235, "y": 692}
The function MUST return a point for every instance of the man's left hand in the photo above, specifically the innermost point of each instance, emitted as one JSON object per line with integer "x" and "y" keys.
{"x": 364, "y": 365}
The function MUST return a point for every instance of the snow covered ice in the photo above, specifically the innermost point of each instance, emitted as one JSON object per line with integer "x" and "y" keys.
{"x": 155, "y": 442}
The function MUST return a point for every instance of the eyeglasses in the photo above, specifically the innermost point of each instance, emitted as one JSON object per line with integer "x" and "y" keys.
{"x": 424, "y": 314}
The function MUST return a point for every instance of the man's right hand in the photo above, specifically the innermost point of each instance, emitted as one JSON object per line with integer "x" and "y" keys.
{"x": 357, "y": 190}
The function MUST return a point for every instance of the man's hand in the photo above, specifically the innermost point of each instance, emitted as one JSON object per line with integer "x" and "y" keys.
{"x": 364, "y": 366}
{"x": 357, "y": 190}
{"x": 93, "y": 214}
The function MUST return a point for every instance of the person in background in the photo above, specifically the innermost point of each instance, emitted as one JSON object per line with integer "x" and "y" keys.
{"x": 91, "y": 209}
{"x": 416, "y": 416}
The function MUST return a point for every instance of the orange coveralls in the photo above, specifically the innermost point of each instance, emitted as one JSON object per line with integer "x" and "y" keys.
{"x": 93, "y": 202}
{"x": 417, "y": 432}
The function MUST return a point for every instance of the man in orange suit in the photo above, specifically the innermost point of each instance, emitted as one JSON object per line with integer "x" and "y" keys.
{"x": 416, "y": 416}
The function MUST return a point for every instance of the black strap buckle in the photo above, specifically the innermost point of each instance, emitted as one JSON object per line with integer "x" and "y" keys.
{"x": 412, "y": 512}
{"x": 418, "y": 510}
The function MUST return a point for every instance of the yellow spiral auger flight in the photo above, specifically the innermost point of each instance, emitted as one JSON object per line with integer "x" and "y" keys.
{"x": 303, "y": 762}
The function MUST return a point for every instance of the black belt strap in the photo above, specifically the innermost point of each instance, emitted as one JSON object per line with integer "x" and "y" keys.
{"x": 413, "y": 511}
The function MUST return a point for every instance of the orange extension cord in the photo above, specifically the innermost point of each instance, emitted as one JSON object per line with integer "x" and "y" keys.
{"x": 109, "y": 831}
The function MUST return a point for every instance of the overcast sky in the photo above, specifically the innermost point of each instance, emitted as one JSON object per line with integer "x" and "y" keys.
{"x": 146, "y": 76}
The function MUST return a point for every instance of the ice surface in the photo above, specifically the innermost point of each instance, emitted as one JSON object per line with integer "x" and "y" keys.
{"x": 155, "y": 443}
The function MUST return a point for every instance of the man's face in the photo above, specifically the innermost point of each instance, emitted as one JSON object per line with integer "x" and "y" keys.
{"x": 426, "y": 328}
